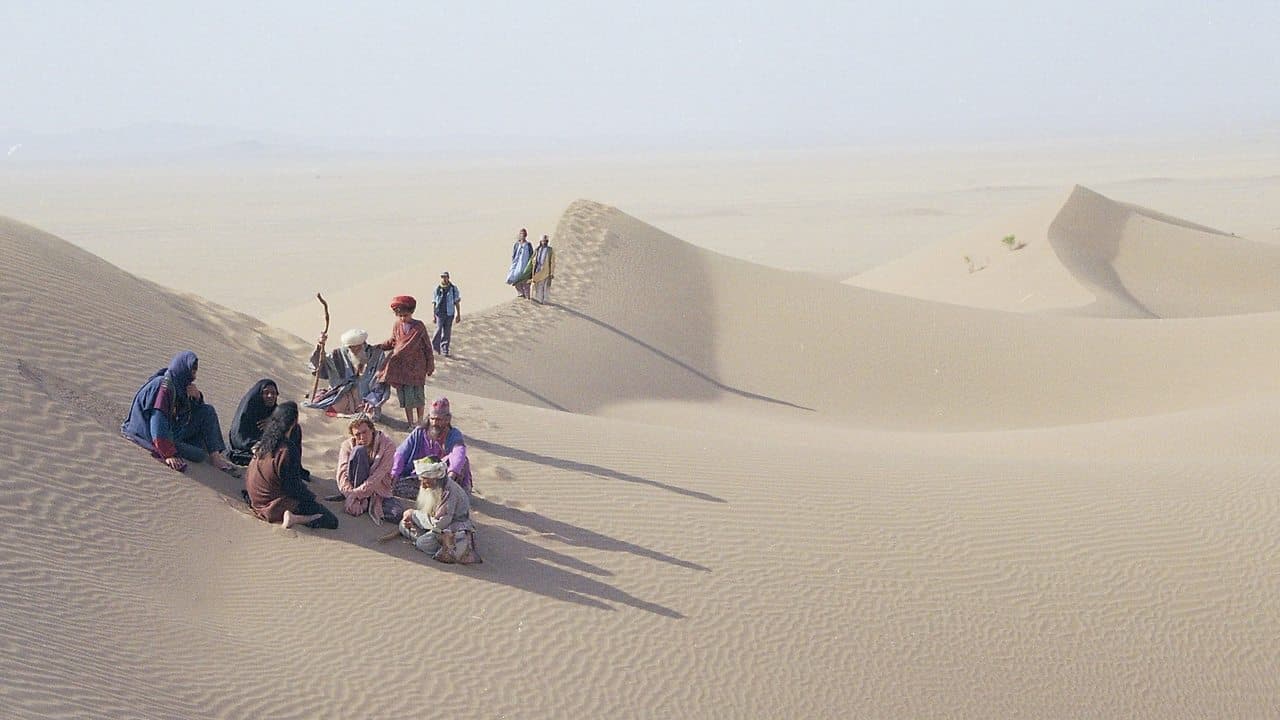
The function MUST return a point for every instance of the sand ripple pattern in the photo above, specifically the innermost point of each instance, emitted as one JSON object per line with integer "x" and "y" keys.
{"x": 742, "y": 568}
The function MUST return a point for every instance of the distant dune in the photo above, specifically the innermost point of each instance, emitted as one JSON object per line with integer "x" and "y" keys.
{"x": 1090, "y": 255}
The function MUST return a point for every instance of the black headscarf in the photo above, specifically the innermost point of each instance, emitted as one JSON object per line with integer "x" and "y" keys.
{"x": 244, "y": 431}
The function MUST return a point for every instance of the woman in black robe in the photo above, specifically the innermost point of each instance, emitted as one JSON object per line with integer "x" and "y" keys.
{"x": 251, "y": 417}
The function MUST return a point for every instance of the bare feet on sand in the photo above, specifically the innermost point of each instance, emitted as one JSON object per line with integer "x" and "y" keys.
{"x": 290, "y": 519}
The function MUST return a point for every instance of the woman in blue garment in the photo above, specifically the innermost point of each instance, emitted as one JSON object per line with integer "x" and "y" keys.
{"x": 521, "y": 264}
{"x": 170, "y": 418}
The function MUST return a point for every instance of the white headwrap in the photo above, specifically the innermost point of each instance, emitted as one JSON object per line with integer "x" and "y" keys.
{"x": 423, "y": 467}
{"x": 354, "y": 336}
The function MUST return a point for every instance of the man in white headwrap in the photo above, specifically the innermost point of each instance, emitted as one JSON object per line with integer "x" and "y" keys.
{"x": 441, "y": 525}
{"x": 352, "y": 371}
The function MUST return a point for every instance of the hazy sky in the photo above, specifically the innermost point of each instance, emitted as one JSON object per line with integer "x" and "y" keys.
{"x": 647, "y": 71}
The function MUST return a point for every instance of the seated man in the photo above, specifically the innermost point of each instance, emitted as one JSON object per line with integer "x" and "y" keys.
{"x": 364, "y": 473}
{"x": 441, "y": 525}
{"x": 351, "y": 371}
{"x": 438, "y": 439}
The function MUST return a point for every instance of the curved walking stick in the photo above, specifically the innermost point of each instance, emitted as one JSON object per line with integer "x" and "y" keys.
{"x": 320, "y": 346}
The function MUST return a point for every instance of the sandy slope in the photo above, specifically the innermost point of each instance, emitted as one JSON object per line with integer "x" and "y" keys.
{"x": 711, "y": 489}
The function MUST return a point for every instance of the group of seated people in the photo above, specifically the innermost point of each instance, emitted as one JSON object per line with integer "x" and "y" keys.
{"x": 424, "y": 482}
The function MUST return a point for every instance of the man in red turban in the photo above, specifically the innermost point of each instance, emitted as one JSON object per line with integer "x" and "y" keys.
{"x": 410, "y": 360}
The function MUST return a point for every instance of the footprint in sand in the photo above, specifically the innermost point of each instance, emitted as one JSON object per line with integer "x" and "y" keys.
{"x": 104, "y": 411}
{"x": 500, "y": 473}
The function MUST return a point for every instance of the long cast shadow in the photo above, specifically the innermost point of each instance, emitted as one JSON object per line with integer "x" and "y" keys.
{"x": 676, "y": 361}
{"x": 525, "y": 455}
{"x": 509, "y": 382}
{"x": 542, "y": 571}
{"x": 510, "y": 560}
{"x": 574, "y": 535}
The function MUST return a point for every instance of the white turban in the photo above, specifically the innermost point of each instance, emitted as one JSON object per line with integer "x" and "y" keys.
{"x": 424, "y": 467}
{"x": 354, "y": 336}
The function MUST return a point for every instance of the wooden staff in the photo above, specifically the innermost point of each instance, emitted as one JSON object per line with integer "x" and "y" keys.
{"x": 320, "y": 347}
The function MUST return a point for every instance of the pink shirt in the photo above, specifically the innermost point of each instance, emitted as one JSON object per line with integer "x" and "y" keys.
{"x": 382, "y": 453}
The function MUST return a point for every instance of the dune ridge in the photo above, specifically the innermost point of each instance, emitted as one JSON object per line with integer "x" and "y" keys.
{"x": 1090, "y": 255}
{"x": 644, "y": 317}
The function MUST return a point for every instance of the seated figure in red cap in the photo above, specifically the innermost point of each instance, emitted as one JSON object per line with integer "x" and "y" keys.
{"x": 410, "y": 359}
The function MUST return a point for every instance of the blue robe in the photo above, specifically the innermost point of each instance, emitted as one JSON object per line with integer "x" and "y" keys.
{"x": 521, "y": 263}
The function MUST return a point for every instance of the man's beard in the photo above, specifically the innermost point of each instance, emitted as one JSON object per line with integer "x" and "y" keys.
{"x": 429, "y": 499}
{"x": 435, "y": 433}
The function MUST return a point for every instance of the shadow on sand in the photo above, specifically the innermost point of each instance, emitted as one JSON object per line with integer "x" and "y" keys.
{"x": 481, "y": 369}
{"x": 509, "y": 558}
{"x": 574, "y": 536}
{"x": 675, "y": 361}
{"x": 525, "y": 455}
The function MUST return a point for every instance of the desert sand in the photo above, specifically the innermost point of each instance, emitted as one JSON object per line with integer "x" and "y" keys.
{"x": 774, "y": 450}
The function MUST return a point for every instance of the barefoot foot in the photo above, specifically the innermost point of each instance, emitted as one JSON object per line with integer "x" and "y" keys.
{"x": 291, "y": 519}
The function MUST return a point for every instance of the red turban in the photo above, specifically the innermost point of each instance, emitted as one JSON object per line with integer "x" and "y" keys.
{"x": 440, "y": 408}
{"x": 405, "y": 301}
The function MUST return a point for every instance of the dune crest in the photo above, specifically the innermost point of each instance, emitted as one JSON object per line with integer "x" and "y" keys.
{"x": 1083, "y": 253}
{"x": 1143, "y": 263}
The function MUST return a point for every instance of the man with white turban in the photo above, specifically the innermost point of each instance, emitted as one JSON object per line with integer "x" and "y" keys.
{"x": 441, "y": 525}
{"x": 352, "y": 371}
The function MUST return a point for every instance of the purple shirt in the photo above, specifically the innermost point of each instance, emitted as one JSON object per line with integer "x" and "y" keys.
{"x": 419, "y": 445}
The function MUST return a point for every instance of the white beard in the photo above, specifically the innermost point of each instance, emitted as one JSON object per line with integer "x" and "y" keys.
{"x": 429, "y": 500}
{"x": 355, "y": 360}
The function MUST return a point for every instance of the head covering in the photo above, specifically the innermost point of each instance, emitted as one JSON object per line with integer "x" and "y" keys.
{"x": 546, "y": 238}
{"x": 244, "y": 424}
{"x": 354, "y": 336}
{"x": 440, "y": 408}
{"x": 405, "y": 301}
{"x": 444, "y": 274}
{"x": 165, "y": 390}
{"x": 182, "y": 370}
{"x": 430, "y": 467}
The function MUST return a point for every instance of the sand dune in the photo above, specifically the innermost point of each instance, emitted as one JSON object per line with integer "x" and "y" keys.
{"x": 1091, "y": 255}
{"x": 642, "y": 316}
{"x": 709, "y": 489}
